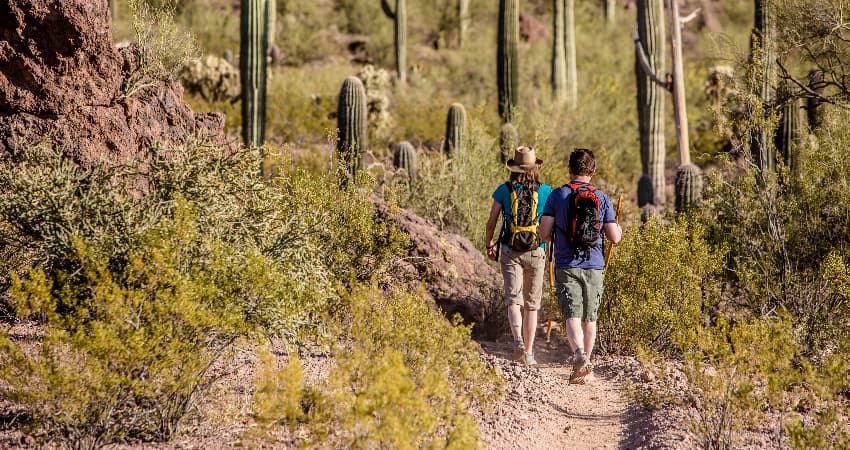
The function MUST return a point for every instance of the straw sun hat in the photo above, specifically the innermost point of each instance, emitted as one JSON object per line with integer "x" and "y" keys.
{"x": 524, "y": 160}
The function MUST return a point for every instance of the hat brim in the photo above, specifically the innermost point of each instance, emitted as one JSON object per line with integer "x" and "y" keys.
{"x": 522, "y": 168}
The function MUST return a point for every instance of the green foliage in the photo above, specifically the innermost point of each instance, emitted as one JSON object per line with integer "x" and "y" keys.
{"x": 508, "y": 141}
{"x": 735, "y": 373}
{"x": 163, "y": 46}
{"x": 407, "y": 379}
{"x": 641, "y": 306}
{"x": 126, "y": 351}
{"x": 279, "y": 391}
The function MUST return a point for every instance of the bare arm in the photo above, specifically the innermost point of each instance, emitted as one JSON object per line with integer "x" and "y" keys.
{"x": 613, "y": 232}
{"x": 495, "y": 210}
{"x": 547, "y": 223}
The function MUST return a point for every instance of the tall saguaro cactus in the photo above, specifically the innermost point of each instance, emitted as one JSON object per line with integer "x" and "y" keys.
{"x": 455, "y": 130}
{"x": 559, "y": 52}
{"x": 507, "y": 58}
{"x": 271, "y": 22}
{"x": 252, "y": 70}
{"x": 570, "y": 43}
{"x": 610, "y": 9}
{"x": 650, "y": 96}
{"x": 351, "y": 120}
{"x": 462, "y": 21}
{"x": 399, "y": 17}
{"x": 761, "y": 55}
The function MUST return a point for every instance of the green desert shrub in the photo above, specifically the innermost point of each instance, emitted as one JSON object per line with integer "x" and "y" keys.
{"x": 660, "y": 284}
{"x": 125, "y": 352}
{"x": 404, "y": 377}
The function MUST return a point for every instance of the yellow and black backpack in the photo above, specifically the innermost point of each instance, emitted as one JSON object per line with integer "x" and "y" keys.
{"x": 521, "y": 231}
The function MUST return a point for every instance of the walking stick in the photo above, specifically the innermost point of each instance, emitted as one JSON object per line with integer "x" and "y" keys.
{"x": 551, "y": 251}
{"x": 611, "y": 248}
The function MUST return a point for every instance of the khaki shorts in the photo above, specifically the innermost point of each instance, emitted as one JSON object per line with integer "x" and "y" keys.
{"x": 523, "y": 274}
{"x": 579, "y": 292}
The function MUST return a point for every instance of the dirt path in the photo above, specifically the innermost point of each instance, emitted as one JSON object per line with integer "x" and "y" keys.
{"x": 542, "y": 410}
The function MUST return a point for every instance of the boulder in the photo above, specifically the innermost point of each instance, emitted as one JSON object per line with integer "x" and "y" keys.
{"x": 454, "y": 272}
{"x": 61, "y": 80}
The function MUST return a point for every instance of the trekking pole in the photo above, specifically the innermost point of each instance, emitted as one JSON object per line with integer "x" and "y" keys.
{"x": 611, "y": 248}
{"x": 551, "y": 252}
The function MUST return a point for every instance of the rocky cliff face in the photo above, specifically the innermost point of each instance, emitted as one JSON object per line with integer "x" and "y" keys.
{"x": 61, "y": 79}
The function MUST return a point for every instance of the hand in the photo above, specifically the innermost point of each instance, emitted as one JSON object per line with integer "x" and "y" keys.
{"x": 491, "y": 251}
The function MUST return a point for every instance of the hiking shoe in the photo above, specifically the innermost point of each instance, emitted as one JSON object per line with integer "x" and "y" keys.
{"x": 518, "y": 354}
{"x": 581, "y": 368}
{"x": 529, "y": 359}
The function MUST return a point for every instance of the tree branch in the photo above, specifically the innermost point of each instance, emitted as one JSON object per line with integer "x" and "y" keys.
{"x": 787, "y": 76}
{"x": 644, "y": 62}
{"x": 387, "y": 10}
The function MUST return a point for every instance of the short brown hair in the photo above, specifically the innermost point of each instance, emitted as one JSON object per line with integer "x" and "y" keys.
{"x": 582, "y": 162}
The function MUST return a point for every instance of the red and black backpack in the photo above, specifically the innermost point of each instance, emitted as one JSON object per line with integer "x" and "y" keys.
{"x": 584, "y": 217}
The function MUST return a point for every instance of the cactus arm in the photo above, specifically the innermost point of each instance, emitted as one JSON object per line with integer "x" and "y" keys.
{"x": 387, "y": 9}
{"x": 643, "y": 60}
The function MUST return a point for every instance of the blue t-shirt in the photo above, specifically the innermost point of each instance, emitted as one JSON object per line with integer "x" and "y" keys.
{"x": 503, "y": 195}
{"x": 557, "y": 207}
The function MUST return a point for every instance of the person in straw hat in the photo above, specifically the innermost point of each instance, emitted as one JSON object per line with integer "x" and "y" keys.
{"x": 519, "y": 250}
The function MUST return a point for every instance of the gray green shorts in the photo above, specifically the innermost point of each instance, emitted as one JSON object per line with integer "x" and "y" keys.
{"x": 579, "y": 292}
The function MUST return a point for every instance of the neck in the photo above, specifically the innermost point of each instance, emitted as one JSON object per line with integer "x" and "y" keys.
{"x": 582, "y": 178}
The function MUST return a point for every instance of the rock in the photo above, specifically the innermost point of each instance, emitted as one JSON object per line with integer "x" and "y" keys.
{"x": 456, "y": 274}
{"x": 61, "y": 79}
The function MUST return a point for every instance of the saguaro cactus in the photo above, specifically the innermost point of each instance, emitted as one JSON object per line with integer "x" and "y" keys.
{"x": 252, "y": 71}
{"x": 761, "y": 54}
{"x": 455, "y": 130}
{"x": 570, "y": 42}
{"x": 351, "y": 120}
{"x": 399, "y": 17}
{"x": 645, "y": 195}
{"x": 610, "y": 8}
{"x": 463, "y": 21}
{"x": 507, "y": 59}
{"x": 404, "y": 157}
{"x": 508, "y": 141}
{"x": 271, "y": 22}
{"x": 814, "y": 106}
{"x": 787, "y": 137}
{"x": 688, "y": 187}
{"x": 559, "y": 52}
{"x": 650, "y": 101}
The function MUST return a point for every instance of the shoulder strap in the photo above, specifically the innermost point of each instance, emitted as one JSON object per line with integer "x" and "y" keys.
{"x": 575, "y": 186}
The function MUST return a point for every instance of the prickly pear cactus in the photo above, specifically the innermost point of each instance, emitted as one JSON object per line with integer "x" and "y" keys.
{"x": 351, "y": 120}
{"x": 688, "y": 187}
{"x": 399, "y": 17}
{"x": 645, "y": 192}
{"x": 455, "y": 130}
{"x": 508, "y": 141}
{"x": 404, "y": 157}
{"x": 252, "y": 71}
{"x": 650, "y": 96}
{"x": 507, "y": 59}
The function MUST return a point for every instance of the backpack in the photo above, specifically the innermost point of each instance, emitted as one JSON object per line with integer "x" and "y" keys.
{"x": 585, "y": 224}
{"x": 521, "y": 233}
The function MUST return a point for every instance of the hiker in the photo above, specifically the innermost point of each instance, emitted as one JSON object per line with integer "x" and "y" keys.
{"x": 519, "y": 249}
{"x": 579, "y": 214}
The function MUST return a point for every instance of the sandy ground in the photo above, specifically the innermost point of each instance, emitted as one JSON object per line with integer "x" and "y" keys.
{"x": 542, "y": 410}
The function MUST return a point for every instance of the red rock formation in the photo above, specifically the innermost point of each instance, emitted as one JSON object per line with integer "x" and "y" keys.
{"x": 61, "y": 79}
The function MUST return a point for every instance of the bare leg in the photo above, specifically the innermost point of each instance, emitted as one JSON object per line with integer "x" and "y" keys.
{"x": 575, "y": 335}
{"x": 529, "y": 328}
{"x": 515, "y": 320}
{"x": 589, "y": 329}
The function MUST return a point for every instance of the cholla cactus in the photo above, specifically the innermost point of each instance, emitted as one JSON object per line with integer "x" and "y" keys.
{"x": 377, "y": 83}
{"x": 211, "y": 77}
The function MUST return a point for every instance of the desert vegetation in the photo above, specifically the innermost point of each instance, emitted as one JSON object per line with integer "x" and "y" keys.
{"x": 127, "y": 283}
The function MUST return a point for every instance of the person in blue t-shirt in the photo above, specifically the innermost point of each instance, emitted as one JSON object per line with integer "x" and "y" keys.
{"x": 578, "y": 274}
{"x": 522, "y": 270}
